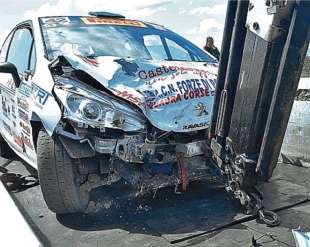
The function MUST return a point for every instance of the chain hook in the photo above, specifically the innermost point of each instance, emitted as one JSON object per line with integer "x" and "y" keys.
{"x": 268, "y": 217}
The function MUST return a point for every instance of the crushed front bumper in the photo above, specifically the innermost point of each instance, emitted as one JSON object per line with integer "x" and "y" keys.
{"x": 135, "y": 149}
{"x": 145, "y": 165}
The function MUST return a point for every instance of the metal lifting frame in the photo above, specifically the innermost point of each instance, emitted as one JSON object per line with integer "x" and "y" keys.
{"x": 254, "y": 96}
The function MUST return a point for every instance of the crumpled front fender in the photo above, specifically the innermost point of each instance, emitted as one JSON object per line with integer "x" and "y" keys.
{"x": 45, "y": 108}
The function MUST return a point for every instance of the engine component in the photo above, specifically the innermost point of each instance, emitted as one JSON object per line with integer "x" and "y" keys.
{"x": 129, "y": 149}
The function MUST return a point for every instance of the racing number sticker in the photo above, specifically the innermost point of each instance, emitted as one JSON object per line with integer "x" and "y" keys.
{"x": 111, "y": 21}
{"x": 55, "y": 21}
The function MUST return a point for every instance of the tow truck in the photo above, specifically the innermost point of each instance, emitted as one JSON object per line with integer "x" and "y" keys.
{"x": 263, "y": 50}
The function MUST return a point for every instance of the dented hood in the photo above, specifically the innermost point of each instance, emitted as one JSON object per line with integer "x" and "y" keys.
{"x": 174, "y": 96}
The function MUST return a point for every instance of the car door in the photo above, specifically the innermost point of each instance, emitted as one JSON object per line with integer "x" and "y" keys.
{"x": 15, "y": 110}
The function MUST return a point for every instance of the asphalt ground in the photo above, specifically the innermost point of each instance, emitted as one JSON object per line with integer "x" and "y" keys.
{"x": 203, "y": 216}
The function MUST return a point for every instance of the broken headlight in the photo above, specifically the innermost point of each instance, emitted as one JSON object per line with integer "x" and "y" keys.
{"x": 85, "y": 108}
{"x": 98, "y": 110}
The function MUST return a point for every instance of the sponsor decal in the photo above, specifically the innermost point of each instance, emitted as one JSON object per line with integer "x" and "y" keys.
{"x": 6, "y": 90}
{"x": 150, "y": 95}
{"x": 90, "y": 61}
{"x": 201, "y": 108}
{"x": 111, "y": 21}
{"x": 13, "y": 115}
{"x": 18, "y": 141}
{"x": 6, "y": 108}
{"x": 178, "y": 91}
{"x": 149, "y": 74}
{"x": 129, "y": 96}
{"x": 23, "y": 115}
{"x": 213, "y": 82}
{"x": 26, "y": 141}
{"x": 13, "y": 111}
{"x": 55, "y": 21}
{"x": 7, "y": 128}
{"x": 39, "y": 95}
{"x": 23, "y": 104}
{"x": 167, "y": 101}
{"x": 10, "y": 86}
{"x": 174, "y": 71}
{"x": 195, "y": 126}
{"x": 25, "y": 127}
{"x": 25, "y": 89}
{"x": 158, "y": 79}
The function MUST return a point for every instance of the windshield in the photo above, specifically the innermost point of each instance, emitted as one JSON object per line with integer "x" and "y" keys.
{"x": 94, "y": 37}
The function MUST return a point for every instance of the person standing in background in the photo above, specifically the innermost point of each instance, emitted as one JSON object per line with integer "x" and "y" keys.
{"x": 211, "y": 48}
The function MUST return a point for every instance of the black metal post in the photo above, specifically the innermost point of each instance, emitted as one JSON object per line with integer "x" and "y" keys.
{"x": 259, "y": 67}
{"x": 232, "y": 75}
{"x": 225, "y": 51}
{"x": 288, "y": 77}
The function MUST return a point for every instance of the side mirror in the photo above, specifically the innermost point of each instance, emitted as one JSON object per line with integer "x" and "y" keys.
{"x": 10, "y": 69}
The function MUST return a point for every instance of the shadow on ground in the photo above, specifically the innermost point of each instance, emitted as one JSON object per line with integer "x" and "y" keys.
{"x": 203, "y": 206}
{"x": 121, "y": 220}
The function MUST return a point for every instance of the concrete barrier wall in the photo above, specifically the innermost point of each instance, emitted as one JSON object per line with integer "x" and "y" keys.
{"x": 306, "y": 69}
{"x": 296, "y": 143}
{"x": 297, "y": 137}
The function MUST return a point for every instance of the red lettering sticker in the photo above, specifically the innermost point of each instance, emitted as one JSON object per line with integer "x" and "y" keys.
{"x": 111, "y": 21}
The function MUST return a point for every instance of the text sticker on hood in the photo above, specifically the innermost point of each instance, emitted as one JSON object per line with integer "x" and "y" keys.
{"x": 174, "y": 96}
{"x": 112, "y": 21}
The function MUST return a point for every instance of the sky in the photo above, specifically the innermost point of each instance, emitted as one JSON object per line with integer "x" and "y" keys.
{"x": 195, "y": 20}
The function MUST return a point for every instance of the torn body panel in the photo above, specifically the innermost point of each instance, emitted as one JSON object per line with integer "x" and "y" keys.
{"x": 173, "y": 96}
{"x": 46, "y": 108}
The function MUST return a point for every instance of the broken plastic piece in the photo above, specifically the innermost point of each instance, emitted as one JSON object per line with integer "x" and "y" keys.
{"x": 302, "y": 239}
{"x": 182, "y": 171}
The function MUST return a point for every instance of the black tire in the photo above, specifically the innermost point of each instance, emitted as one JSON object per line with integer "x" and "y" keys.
{"x": 5, "y": 150}
{"x": 59, "y": 178}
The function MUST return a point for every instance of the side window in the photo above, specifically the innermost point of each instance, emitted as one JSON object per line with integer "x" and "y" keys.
{"x": 177, "y": 52}
{"x": 20, "y": 49}
{"x": 5, "y": 47}
{"x": 155, "y": 47}
{"x": 33, "y": 58}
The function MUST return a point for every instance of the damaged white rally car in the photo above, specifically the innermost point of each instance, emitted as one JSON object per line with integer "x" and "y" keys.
{"x": 91, "y": 100}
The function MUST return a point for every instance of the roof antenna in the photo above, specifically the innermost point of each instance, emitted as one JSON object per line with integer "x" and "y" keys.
{"x": 106, "y": 14}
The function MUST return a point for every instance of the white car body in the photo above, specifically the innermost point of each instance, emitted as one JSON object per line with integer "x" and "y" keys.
{"x": 117, "y": 105}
